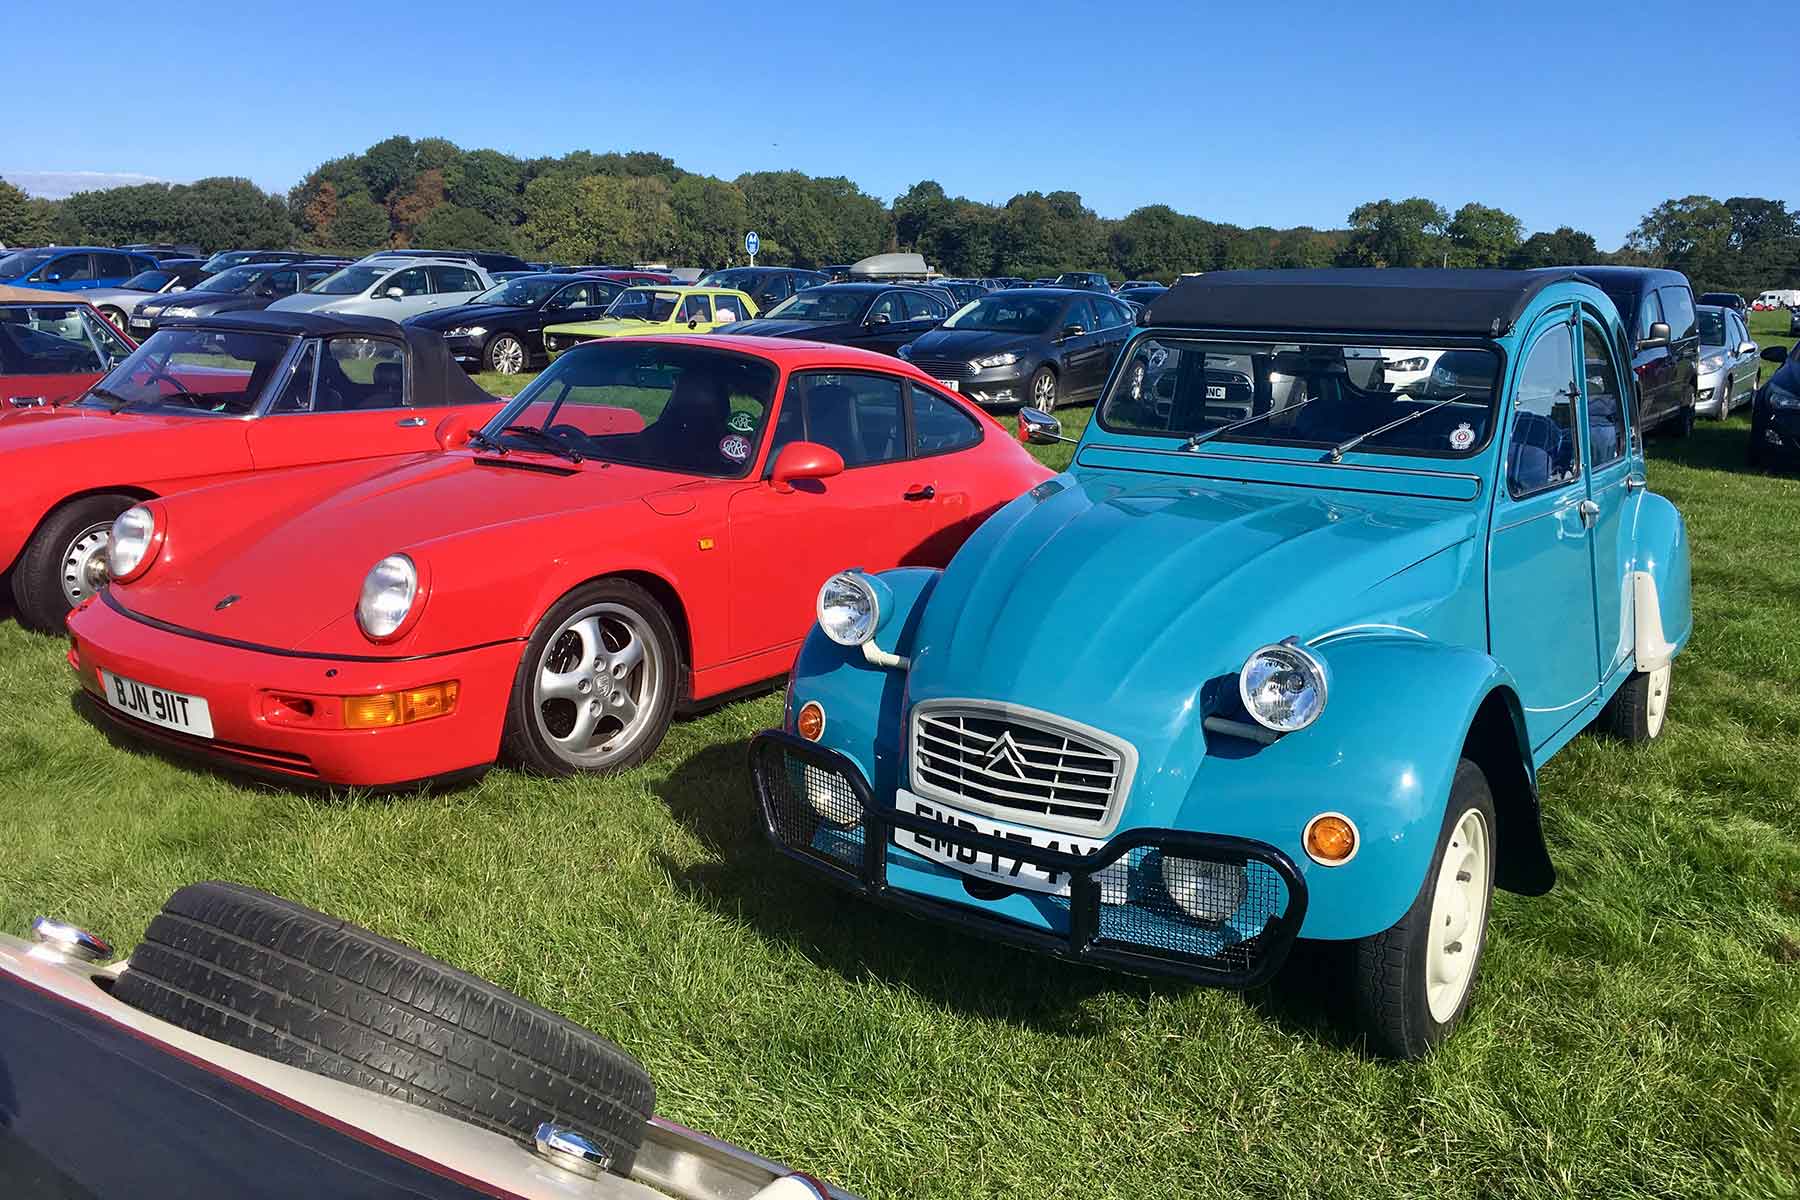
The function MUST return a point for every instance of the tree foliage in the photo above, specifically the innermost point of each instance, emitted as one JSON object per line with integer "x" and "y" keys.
{"x": 22, "y": 223}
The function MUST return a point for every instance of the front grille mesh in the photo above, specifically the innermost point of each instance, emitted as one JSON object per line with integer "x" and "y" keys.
{"x": 811, "y": 808}
{"x": 1198, "y": 907}
{"x": 945, "y": 368}
{"x": 1021, "y": 767}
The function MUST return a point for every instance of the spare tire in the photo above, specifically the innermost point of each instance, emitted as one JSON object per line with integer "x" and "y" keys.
{"x": 266, "y": 975}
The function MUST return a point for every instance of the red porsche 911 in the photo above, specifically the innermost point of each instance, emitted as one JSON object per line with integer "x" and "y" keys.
{"x": 646, "y": 525}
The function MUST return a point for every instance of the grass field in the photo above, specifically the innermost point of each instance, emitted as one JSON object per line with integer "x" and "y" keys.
{"x": 1637, "y": 1032}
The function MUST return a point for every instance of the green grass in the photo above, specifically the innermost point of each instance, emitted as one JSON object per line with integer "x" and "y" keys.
{"x": 1637, "y": 1032}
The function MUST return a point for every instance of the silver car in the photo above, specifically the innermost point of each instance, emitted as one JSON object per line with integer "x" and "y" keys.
{"x": 117, "y": 304}
{"x": 395, "y": 288}
{"x": 1728, "y": 361}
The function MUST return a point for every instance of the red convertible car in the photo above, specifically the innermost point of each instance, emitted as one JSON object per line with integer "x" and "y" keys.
{"x": 206, "y": 400}
{"x": 646, "y": 525}
{"x": 53, "y": 351}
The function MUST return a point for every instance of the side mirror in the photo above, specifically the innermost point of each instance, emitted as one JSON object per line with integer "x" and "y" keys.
{"x": 1070, "y": 331}
{"x": 1039, "y": 428}
{"x": 393, "y": 293}
{"x": 1747, "y": 348}
{"x": 1775, "y": 354}
{"x": 53, "y": 277}
{"x": 180, "y": 287}
{"x": 1659, "y": 336}
{"x": 804, "y": 460}
{"x": 693, "y": 322}
{"x": 452, "y": 431}
{"x": 878, "y": 319}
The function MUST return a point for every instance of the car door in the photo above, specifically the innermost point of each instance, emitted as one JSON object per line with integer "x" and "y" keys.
{"x": 64, "y": 273}
{"x": 784, "y": 544}
{"x": 1541, "y": 624}
{"x": 1684, "y": 346}
{"x": 1615, "y": 486}
{"x": 52, "y": 359}
{"x": 1653, "y": 367}
{"x": 1744, "y": 362}
{"x": 1117, "y": 320}
{"x": 1082, "y": 353}
{"x": 924, "y": 313}
{"x": 877, "y": 332}
{"x": 414, "y": 287}
{"x": 948, "y": 493}
{"x": 695, "y": 312}
{"x": 452, "y": 286}
{"x": 279, "y": 284}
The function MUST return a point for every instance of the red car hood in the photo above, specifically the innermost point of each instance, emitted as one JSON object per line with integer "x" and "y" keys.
{"x": 297, "y": 569}
{"x": 37, "y": 428}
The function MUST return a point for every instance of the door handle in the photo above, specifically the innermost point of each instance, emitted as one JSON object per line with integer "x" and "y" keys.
{"x": 1590, "y": 513}
{"x": 410, "y": 422}
{"x": 1635, "y": 483}
{"x": 27, "y": 401}
{"x": 920, "y": 491}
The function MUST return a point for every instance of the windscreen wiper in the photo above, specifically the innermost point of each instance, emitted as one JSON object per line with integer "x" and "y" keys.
{"x": 1337, "y": 452}
{"x": 107, "y": 394}
{"x": 478, "y": 438}
{"x": 1207, "y": 435}
{"x": 548, "y": 441}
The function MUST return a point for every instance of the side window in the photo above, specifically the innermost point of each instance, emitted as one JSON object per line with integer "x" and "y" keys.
{"x": 859, "y": 416}
{"x": 890, "y": 306}
{"x": 358, "y": 373}
{"x": 410, "y": 282}
{"x": 1607, "y": 419}
{"x": 71, "y": 268}
{"x": 1543, "y": 451}
{"x": 1678, "y": 311}
{"x": 576, "y": 295}
{"x": 1649, "y": 313}
{"x": 1082, "y": 313}
{"x": 939, "y": 426}
{"x": 283, "y": 282}
{"x": 453, "y": 279}
{"x": 111, "y": 266}
{"x": 727, "y": 309}
{"x": 920, "y": 307}
{"x": 696, "y": 307}
{"x": 297, "y": 393}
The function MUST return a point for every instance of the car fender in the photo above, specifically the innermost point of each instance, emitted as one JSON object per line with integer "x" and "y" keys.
{"x": 1401, "y": 711}
{"x": 1661, "y": 578}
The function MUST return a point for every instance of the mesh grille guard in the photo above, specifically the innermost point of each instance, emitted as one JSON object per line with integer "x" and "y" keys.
{"x": 818, "y": 809}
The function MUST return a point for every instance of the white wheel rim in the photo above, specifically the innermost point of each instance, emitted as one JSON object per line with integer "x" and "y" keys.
{"x": 1656, "y": 705}
{"x": 1458, "y": 915}
{"x": 83, "y": 567}
{"x": 1045, "y": 391}
{"x": 596, "y": 685}
{"x": 509, "y": 356}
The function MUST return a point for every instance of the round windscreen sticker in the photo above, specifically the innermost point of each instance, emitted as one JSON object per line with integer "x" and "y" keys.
{"x": 1462, "y": 437}
{"x": 743, "y": 422}
{"x": 736, "y": 448}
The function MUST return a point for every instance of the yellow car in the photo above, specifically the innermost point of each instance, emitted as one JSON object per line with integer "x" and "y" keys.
{"x": 655, "y": 309}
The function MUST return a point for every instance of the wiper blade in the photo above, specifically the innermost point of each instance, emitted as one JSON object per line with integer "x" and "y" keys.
{"x": 1207, "y": 435}
{"x": 1337, "y": 452}
{"x": 478, "y": 438}
{"x": 548, "y": 441}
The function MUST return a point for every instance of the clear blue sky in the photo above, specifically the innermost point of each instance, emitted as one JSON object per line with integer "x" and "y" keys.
{"x": 1273, "y": 113}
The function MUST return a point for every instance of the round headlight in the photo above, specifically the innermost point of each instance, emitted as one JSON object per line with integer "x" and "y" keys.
{"x": 849, "y": 611}
{"x": 1206, "y": 891}
{"x": 1283, "y": 687}
{"x": 128, "y": 548}
{"x": 388, "y": 592}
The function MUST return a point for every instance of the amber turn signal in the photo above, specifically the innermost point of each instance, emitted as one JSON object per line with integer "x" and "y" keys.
{"x": 400, "y": 708}
{"x": 1330, "y": 839}
{"x": 810, "y": 724}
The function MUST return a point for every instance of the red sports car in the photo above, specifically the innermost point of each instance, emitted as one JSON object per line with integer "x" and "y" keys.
{"x": 647, "y": 524}
{"x": 205, "y": 400}
{"x": 53, "y": 351}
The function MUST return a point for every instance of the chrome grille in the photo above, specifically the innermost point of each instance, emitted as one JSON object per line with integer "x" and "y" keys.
{"x": 945, "y": 368}
{"x": 1020, "y": 765}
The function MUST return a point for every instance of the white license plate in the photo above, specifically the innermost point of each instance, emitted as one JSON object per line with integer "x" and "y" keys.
{"x": 1215, "y": 391}
{"x": 951, "y": 384}
{"x": 140, "y": 322}
{"x": 1001, "y": 869}
{"x": 159, "y": 706}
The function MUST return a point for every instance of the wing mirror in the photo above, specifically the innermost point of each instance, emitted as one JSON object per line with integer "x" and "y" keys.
{"x": 1039, "y": 428}
{"x": 393, "y": 293}
{"x": 804, "y": 460}
{"x": 1747, "y": 348}
{"x": 878, "y": 319}
{"x": 1775, "y": 354}
{"x": 453, "y": 431}
{"x": 693, "y": 322}
{"x": 1070, "y": 331}
{"x": 1659, "y": 336}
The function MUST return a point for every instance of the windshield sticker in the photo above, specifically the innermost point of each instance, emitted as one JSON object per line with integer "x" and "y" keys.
{"x": 1462, "y": 437}
{"x": 743, "y": 422}
{"x": 734, "y": 447}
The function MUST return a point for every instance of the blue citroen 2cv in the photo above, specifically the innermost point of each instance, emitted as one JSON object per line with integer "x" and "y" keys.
{"x": 1342, "y": 559}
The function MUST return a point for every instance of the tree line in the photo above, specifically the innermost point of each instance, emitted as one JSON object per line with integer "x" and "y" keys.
{"x": 638, "y": 207}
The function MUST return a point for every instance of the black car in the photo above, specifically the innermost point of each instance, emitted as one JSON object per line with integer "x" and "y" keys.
{"x": 871, "y": 316}
{"x": 1657, "y": 309}
{"x": 503, "y": 328}
{"x": 1093, "y": 280}
{"x": 245, "y": 288}
{"x": 1036, "y": 346}
{"x": 164, "y": 251}
{"x": 1142, "y": 294}
{"x": 1775, "y": 413}
{"x": 226, "y": 259}
{"x": 1729, "y": 300}
{"x": 768, "y": 286}
{"x": 963, "y": 290}
{"x": 488, "y": 260}
{"x": 1794, "y": 322}
{"x": 168, "y": 276}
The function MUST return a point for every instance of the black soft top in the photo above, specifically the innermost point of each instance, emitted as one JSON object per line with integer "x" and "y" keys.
{"x": 1358, "y": 299}
{"x": 436, "y": 377}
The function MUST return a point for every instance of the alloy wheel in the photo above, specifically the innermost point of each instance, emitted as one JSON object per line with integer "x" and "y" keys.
{"x": 596, "y": 685}
{"x": 508, "y": 356}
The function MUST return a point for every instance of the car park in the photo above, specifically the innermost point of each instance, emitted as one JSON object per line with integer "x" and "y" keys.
{"x": 117, "y": 304}
{"x": 1657, "y": 308}
{"x": 654, "y": 309}
{"x": 1729, "y": 362}
{"x": 1042, "y": 346}
{"x": 175, "y": 1056}
{"x": 1775, "y": 413}
{"x": 392, "y": 287}
{"x": 644, "y": 525}
{"x": 203, "y": 400}
{"x": 71, "y": 268}
{"x": 870, "y": 316}
{"x": 51, "y": 353}
{"x": 768, "y": 286}
{"x": 502, "y": 329}
{"x": 245, "y": 288}
{"x": 1325, "y": 649}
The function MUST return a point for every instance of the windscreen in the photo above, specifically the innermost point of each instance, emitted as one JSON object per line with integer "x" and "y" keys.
{"x": 820, "y": 304}
{"x": 194, "y": 372}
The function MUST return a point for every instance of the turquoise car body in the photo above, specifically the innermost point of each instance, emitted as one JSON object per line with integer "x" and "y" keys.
{"x": 1126, "y": 594}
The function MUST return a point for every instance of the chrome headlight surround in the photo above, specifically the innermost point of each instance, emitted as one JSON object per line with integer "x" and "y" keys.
{"x": 1283, "y": 686}
{"x": 466, "y": 331}
{"x": 1780, "y": 397}
{"x": 180, "y": 312}
{"x": 1004, "y": 359}
{"x": 133, "y": 543}
{"x": 1712, "y": 362}
{"x": 851, "y": 607}
{"x": 389, "y": 599}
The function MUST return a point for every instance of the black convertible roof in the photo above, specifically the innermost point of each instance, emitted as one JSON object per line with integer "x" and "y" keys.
{"x": 1356, "y": 299}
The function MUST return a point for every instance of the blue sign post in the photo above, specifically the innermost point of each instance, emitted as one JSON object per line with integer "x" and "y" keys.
{"x": 751, "y": 243}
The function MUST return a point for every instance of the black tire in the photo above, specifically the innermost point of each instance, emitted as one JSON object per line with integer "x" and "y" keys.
{"x": 1042, "y": 380}
{"x": 268, "y": 976}
{"x": 1684, "y": 422}
{"x": 496, "y": 355}
{"x": 37, "y": 578}
{"x": 1389, "y": 969}
{"x": 1638, "y": 711}
{"x": 525, "y": 742}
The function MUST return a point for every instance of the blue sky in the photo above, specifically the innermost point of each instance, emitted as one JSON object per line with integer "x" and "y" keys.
{"x": 1278, "y": 114}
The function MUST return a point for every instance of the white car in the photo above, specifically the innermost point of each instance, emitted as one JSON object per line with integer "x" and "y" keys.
{"x": 396, "y": 288}
{"x": 117, "y": 304}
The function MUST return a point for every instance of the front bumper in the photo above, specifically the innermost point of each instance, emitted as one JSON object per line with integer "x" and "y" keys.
{"x": 1112, "y": 917}
{"x": 466, "y": 350}
{"x": 1775, "y": 433}
{"x": 257, "y": 729}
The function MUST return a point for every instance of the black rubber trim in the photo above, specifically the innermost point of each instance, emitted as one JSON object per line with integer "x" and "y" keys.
{"x": 113, "y": 603}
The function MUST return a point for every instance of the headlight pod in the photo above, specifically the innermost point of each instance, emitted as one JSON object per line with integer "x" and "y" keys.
{"x": 995, "y": 360}
{"x": 1283, "y": 687}
{"x": 136, "y": 539}
{"x": 1712, "y": 362}
{"x": 1780, "y": 397}
{"x": 851, "y": 607}
{"x": 392, "y": 595}
{"x": 466, "y": 331}
{"x": 1406, "y": 364}
{"x": 179, "y": 312}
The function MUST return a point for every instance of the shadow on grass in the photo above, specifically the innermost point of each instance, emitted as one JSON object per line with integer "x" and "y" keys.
{"x": 710, "y": 794}
{"x": 1713, "y": 446}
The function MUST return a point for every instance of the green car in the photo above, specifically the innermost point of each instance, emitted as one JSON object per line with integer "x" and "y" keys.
{"x": 655, "y": 309}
